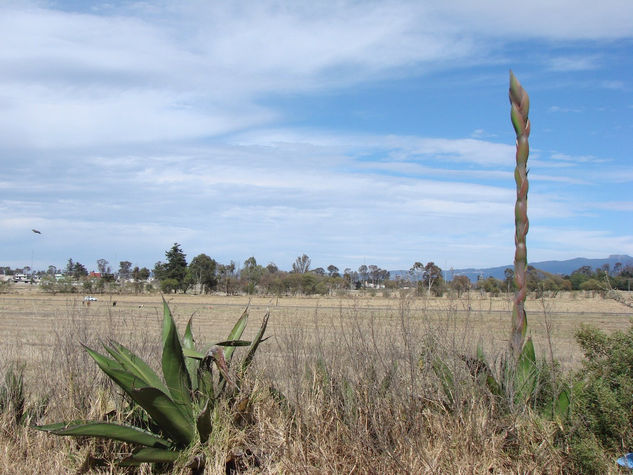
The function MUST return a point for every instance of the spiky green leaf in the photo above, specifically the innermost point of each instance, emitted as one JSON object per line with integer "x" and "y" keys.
{"x": 125, "y": 379}
{"x": 107, "y": 430}
{"x": 447, "y": 380}
{"x": 491, "y": 382}
{"x": 157, "y": 404}
{"x": 135, "y": 365}
{"x": 256, "y": 341}
{"x": 190, "y": 353}
{"x": 150, "y": 455}
{"x": 236, "y": 334}
{"x": 203, "y": 423}
{"x": 190, "y": 363}
{"x": 526, "y": 378}
{"x": 174, "y": 368}
{"x": 166, "y": 414}
{"x": 561, "y": 408}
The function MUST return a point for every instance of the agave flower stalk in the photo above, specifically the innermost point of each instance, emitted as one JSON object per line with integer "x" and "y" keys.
{"x": 520, "y": 107}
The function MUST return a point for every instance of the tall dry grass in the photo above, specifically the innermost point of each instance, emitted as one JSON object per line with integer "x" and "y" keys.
{"x": 347, "y": 390}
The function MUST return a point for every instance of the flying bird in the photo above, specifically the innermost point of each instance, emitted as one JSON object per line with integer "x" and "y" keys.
{"x": 36, "y": 231}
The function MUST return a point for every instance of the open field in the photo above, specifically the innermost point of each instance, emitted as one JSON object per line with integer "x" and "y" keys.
{"x": 356, "y": 372}
{"x": 31, "y": 322}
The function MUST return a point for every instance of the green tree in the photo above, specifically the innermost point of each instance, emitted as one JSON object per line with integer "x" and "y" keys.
{"x": 69, "y": 267}
{"x": 491, "y": 285}
{"x": 432, "y": 278}
{"x": 140, "y": 276}
{"x": 251, "y": 274}
{"x": 228, "y": 281}
{"x": 579, "y": 276}
{"x": 460, "y": 284}
{"x": 78, "y": 270}
{"x": 174, "y": 270}
{"x": 202, "y": 273}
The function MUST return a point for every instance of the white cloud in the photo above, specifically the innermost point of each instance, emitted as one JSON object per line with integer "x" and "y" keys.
{"x": 577, "y": 159}
{"x": 573, "y": 63}
{"x": 564, "y": 109}
{"x": 172, "y": 70}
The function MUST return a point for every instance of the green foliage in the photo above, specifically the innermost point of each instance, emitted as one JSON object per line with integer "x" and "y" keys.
{"x": 179, "y": 405}
{"x": 201, "y": 272}
{"x": 591, "y": 284}
{"x": 174, "y": 270}
{"x": 169, "y": 286}
{"x": 75, "y": 270}
{"x": 13, "y": 397}
{"x": 526, "y": 382}
{"x": 603, "y": 396}
{"x": 490, "y": 285}
{"x": 52, "y": 285}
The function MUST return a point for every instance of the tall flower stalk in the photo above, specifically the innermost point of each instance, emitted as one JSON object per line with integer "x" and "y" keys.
{"x": 520, "y": 106}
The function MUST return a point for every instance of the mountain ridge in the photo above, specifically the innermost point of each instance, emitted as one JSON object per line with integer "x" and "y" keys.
{"x": 565, "y": 267}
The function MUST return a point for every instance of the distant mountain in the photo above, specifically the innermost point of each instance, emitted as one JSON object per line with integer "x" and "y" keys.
{"x": 553, "y": 267}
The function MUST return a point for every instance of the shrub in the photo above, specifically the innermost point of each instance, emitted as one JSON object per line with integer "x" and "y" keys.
{"x": 603, "y": 394}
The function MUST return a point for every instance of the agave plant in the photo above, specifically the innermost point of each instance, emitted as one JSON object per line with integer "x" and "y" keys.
{"x": 520, "y": 375}
{"x": 179, "y": 406}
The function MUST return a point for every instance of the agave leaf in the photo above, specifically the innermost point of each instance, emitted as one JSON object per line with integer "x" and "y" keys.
{"x": 150, "y": 455}
{"x": 174, "y": 368}
{"x": 135, "y": 365}
{"x": 491, "y": 382}
{"x": 561, "y": 408}
{"x": 445, "y": 375}
{"x": 191, "y": 353}
{"x": 205, "y": 380}
{"x": 125, "y": 379}
{"x": 157, "y": 404}
{"x": 166, "y": 413}
{"x": 256, "y": 341}
{"x": 192, "y": 366}
{"x": 107, "y": 430}
{"x": 235, "y": 334}
{"x": 203, "y": 422}
{"x": 526, "y": 378}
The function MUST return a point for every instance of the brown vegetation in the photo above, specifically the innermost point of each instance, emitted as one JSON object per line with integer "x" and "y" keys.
{"x": 343, "y": 385}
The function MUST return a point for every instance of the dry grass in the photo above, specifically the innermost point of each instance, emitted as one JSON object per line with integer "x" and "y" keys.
{"x": 358, "y": 392}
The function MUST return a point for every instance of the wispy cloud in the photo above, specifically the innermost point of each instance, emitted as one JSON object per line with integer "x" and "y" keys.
{"x": 573, "y": 63}
{"x": 578, "y": 159}
{"x": 138, "y": 124}
{"x": 565, "y": 109}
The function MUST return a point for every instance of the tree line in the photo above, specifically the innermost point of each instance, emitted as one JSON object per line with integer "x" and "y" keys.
{"x": 204, "y": 274}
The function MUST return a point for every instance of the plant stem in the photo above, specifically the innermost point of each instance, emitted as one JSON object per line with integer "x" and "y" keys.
{"x": 520, "y": 106}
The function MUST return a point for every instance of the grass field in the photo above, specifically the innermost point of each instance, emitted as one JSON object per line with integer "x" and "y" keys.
{"x": 30, "y": 322}
{"x": 330, "y": 357}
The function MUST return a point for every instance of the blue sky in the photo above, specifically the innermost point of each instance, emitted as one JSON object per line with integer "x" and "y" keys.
{"x": 354, "y": 132}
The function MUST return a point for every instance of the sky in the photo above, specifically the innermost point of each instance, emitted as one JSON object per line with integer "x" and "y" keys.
{"x": 356, "y": 132}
